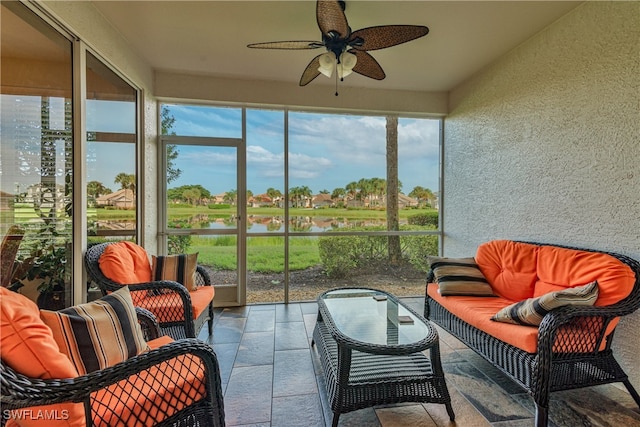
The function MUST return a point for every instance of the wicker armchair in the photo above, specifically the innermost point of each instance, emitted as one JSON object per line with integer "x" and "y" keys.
{"x": 116, "y": 395}
{"x": 574, "y": 347}
{"x": 170, "y": 302}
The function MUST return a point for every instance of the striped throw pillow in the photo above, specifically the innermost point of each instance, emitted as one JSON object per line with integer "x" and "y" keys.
{"x": 178, "y": 268}
{"x": 532, "y": 310}
{"x": 98, "y": 334}
{"x": 459, "y": 276}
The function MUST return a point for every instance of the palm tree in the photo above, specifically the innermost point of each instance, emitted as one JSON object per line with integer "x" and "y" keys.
{"x": 305, "y": 194}
{"x": 231, "y": 196}
{"x": 424, "y": 195}
{"x": 393, "y": 217}
{"x": 338, "y": 193}
{"x": 364, "y": 187}
{"x": 294, "y": 195}
{"x": 126, "y": 181}
{"x": 192, "y": 195}
{"x": 96, "y": 189}
{"x": 274, "y": 194}
{"x": 378, "y": 188}
{"x": 351, "y": 189}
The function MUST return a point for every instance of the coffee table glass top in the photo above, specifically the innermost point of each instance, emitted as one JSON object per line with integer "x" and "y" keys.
{"x": 374, "y": 317}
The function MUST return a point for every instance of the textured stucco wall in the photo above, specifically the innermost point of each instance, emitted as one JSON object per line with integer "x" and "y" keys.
{"x": 544, "y": 145}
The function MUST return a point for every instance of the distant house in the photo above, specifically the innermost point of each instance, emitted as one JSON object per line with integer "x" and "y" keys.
{"x": 322, "y": 201}
{"x": 259, "y": 201}
{"x": 121, "y": 199}
{"x": 218, "y": 199}
{"x": 406, "y": 201}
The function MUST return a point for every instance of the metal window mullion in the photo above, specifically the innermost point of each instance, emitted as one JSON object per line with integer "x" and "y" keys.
{"x": 79, "y": 207}
{"x": 241, "y": 176}
{"x": 441, "y": 188}
{"x": 286, "y": 205}
{"x": 162, "y": 188}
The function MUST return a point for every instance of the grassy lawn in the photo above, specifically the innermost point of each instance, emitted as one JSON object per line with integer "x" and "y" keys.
{"x": 264, "y": 254}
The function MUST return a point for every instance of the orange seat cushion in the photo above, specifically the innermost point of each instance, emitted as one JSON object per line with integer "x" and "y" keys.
{"x": 153, "y": 395}
{"x": 159, "y": 342}
{"x": 125, "y": 263}
{"x": 168, "y": 307}
{"x": 478, "y": 312}
{"x": 27, "y": 346}
{"x": 510, "y": 267}
{"x": 560, "y": 268}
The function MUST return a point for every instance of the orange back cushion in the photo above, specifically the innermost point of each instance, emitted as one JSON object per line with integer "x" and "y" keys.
{"x": 560, "y": 268}
{"x": 28, "y": 347}
{"x": 510, "y": 267}
{"x": 125, "y": 263}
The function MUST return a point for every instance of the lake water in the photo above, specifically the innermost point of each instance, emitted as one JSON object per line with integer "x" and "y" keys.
{"x": 262, "y": 224}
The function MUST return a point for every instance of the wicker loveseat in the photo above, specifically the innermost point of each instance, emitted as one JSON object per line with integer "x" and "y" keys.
{"x": 168, "y": 383}
{"x": 572, "y": 346}
{"x": 181, "y": 313}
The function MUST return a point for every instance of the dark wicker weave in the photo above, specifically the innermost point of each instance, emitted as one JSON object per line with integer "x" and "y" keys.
{"x": 185, "y": 326}
{"x": 553, "y": 368}
{"x": 19, "y": 391}
{"x": 360, "y": 375}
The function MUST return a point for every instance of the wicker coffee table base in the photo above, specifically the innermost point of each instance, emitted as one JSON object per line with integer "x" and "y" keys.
{"x": 357, "y": 380}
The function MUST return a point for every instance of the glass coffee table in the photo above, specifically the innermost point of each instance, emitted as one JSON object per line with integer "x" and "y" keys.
{"x": 371, "y": 348}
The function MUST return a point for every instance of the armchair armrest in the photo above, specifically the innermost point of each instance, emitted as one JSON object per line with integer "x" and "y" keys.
{"x": 148, "y": 324}
{"x": 578, "y": 329}
{"x": 124, "y": 384}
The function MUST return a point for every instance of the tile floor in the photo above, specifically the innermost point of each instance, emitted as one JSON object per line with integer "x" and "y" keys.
{"x": 272, "y": 377}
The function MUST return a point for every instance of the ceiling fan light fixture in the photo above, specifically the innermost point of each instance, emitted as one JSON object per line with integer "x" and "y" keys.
{"x": 327, "y": 63}
{"x": 347, "y": 51}
{"x": 346, "y": 64}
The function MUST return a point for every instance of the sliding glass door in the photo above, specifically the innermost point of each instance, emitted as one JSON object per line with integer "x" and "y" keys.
{"x": 202, "y": 154}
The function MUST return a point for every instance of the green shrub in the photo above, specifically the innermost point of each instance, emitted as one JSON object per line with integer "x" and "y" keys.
{"x": 178, "y": 244}
{"x": 180, "y": 205}
{"x": 341, "y": 254}
{"x": 219, "y": 206}
{"x": 417, "y": 248}
{"x": 425, "y": 219}
{"x": 336, "y": 255}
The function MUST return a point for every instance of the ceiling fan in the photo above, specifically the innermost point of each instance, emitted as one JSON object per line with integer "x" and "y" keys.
{"x": 347, "y": 51}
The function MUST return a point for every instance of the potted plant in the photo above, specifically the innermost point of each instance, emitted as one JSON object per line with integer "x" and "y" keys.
{"x": 49, "y": 265}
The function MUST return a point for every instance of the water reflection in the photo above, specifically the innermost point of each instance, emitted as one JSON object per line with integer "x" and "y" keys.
{"x": 256, "y": 223}
{"x": 262, "y": 224}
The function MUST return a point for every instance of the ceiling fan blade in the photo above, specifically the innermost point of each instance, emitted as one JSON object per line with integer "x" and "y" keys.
{"x": 384, "y": 36}
{"x": 367, "y": 65}
{"x": 311, "y": 72}
{"x": 330, "y": 17}
{"x": 290, "y": 44}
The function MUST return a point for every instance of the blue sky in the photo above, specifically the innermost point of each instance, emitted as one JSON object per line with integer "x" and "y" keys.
{"x": 326, "y": 151}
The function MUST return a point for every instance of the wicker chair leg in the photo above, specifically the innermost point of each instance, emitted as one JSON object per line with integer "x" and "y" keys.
{"x": 542, "y": 416}
{"x": 452, "y": 416}
{"x": 632, "y": 392}
{"x": 210, "y": 321}
{"x": 336, "y": 416}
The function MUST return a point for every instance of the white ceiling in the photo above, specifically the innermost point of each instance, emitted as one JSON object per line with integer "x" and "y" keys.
{"x": 210, "y": 37}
